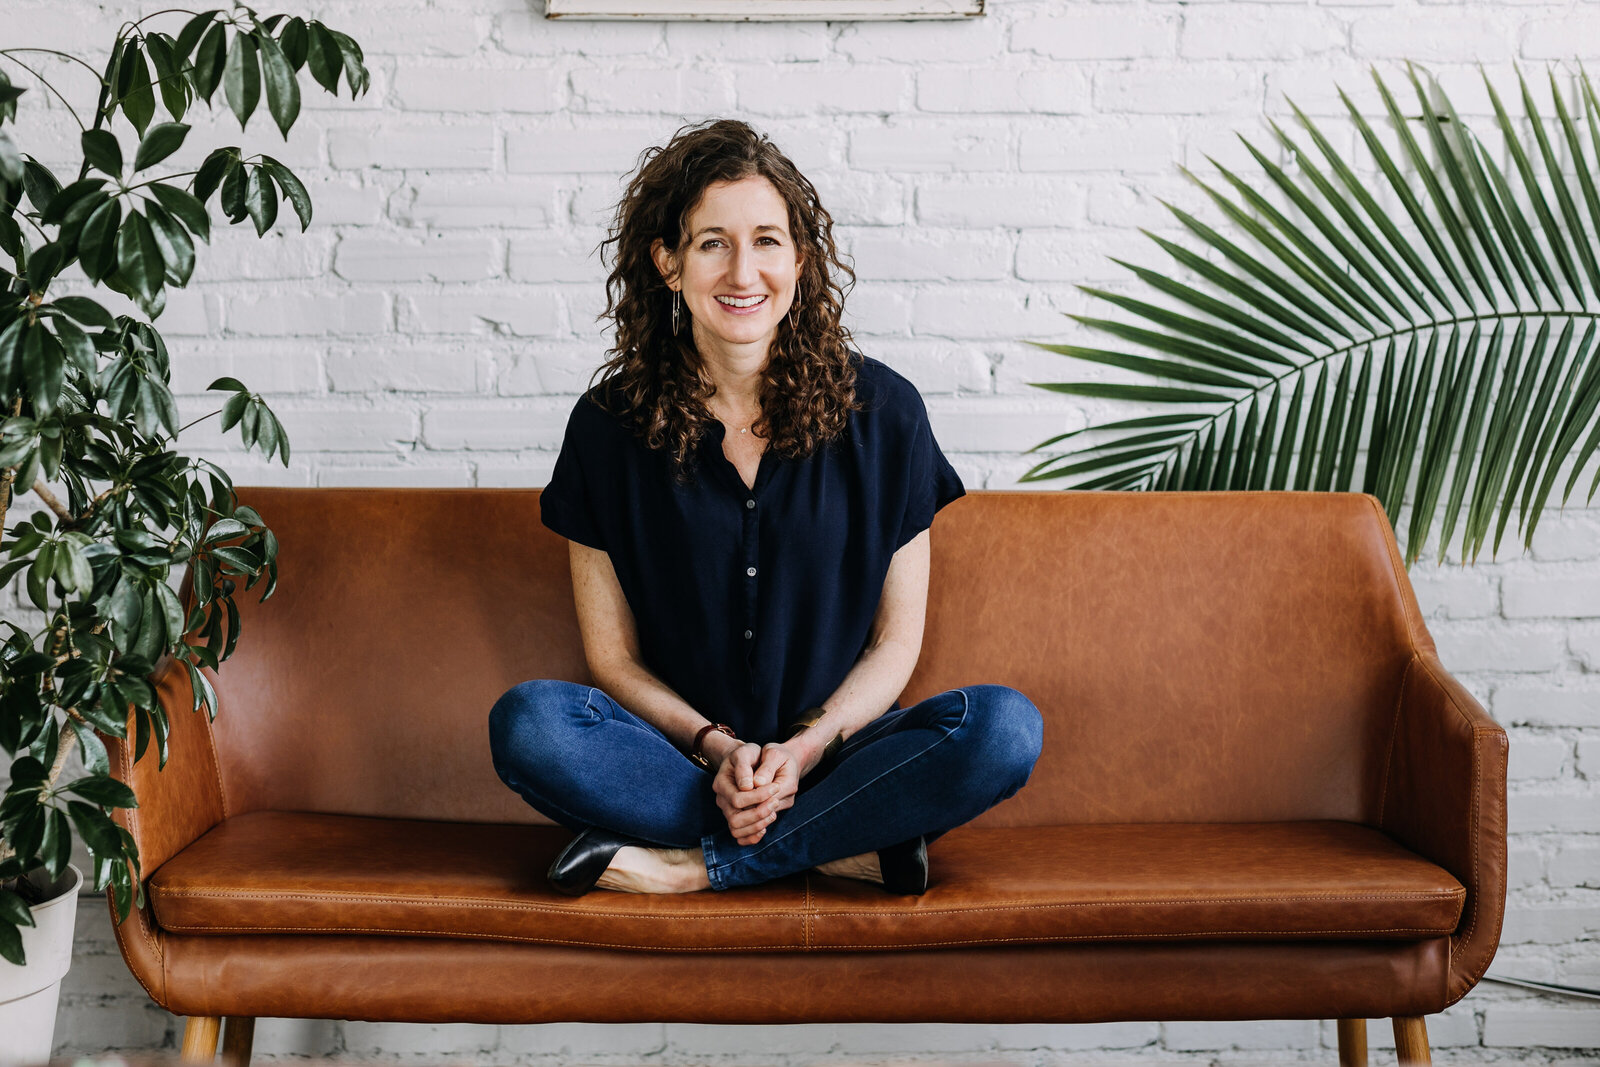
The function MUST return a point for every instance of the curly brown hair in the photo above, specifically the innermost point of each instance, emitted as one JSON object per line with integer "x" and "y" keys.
{"x": 652, "y": 376}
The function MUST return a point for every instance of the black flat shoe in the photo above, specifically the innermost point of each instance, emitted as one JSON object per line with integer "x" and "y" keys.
{"x": 905, "y": 866}
{"x": 578, "y": 866}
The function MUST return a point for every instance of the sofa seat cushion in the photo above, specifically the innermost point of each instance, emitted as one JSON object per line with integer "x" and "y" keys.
{"x": 294, "y": 872}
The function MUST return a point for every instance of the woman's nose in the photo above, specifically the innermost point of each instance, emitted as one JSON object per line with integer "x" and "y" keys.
{"x": 741, "y": 271}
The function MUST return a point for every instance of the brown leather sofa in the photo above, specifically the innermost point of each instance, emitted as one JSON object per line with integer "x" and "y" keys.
{"x": 1261, "y": 794}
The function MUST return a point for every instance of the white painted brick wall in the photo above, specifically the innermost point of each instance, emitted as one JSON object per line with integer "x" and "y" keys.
{"x": 492, "y": 205}
{"x": 413, "y": 145}
{"x": 437, "y": 321}
{"x": 464, "y": 88}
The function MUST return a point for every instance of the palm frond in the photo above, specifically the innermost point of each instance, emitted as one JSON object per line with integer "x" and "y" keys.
{"x": 1457, "y": 342}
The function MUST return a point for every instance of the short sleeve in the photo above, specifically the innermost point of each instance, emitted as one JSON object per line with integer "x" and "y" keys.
{"x": 567, "y": 504}
{"x": 933, "y": 482}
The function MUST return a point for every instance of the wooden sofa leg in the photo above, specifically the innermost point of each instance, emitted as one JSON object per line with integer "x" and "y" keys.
{"x": 237, "y": 1038}
{"x": 1352, "y": 1043}
{"x": 200, "y": 1038}
{"x": 1411, "y": 1040}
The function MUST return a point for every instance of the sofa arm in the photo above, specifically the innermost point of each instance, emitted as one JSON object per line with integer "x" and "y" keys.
{"x": 1444, "y": 797}
{"x": 177, "y": 804}
{"x": 183, "y": 800}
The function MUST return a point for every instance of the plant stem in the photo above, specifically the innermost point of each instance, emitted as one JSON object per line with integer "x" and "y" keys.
{"x": 29, "y": 219}
{"x": 182, "y": 428}
{"x": 100, "y": 108}
{"x": 69, "y": 734}
{"x": 5, "y": 494}
{"x": 163, "y": 11}
{"x": 153, "y": 181}
{"x": 46, "y": 83}
{"x": 43, "y": 493}
{"x": 100, "y": 499}
{"x": 7, "y": 478}
{"x": 53, "y": 52}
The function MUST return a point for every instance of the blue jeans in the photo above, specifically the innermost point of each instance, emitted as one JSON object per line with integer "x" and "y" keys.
{"x": 581, "y": 759}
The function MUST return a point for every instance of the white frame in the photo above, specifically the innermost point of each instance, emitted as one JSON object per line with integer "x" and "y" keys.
{"x": 763, "y": 10}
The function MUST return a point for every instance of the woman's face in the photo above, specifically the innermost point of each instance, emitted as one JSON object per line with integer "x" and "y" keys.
{"x": 739, "y": 252}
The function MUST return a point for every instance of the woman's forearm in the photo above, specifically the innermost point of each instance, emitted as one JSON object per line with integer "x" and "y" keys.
{"x": 878, "y": 677}
{"x": 638, "y": 688}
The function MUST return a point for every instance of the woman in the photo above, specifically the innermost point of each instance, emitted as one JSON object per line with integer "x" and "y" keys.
{"x": 748, "y": 504}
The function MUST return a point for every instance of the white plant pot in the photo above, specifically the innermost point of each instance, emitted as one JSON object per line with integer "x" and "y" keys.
{"x": 29, "y": 994}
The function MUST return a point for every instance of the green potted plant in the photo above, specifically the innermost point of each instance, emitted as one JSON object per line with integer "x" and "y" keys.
{"x": 88, "y": 423}
{"x": 1480, "y": 332}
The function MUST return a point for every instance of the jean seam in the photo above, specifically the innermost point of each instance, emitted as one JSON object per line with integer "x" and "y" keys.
{"x": 709, "y": 854}
{"x": 966, "y": 705}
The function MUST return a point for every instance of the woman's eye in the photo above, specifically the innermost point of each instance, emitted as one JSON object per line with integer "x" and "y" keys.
{"x": 717, "y": 241}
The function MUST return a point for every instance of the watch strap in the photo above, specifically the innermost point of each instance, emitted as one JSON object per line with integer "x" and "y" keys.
{"x": 699, "y": 738}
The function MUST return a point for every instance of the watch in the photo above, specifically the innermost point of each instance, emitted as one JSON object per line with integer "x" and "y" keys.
{"x": 810, "y": 717}
{"x": 694, "y": 751}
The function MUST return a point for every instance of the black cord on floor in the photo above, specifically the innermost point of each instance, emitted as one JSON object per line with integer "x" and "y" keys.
{"x": 1546, "y": 987}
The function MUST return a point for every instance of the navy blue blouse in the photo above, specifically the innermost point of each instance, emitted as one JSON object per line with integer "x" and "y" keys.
{"x": 754, "y": 603}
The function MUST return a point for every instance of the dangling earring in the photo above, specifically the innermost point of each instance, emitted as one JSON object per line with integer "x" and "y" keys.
{"x": 794, "y": 323}
{"x": 677, "y": 297}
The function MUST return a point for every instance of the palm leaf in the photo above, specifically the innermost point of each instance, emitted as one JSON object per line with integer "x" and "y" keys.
{"x": 1363, "y": 197}
{"x": 1458, "y": 342}
{"x": 1485, "y": 198}
{"x": 1397, "y": 182}
{"x": 1441, "y": 436}
{"x": 1473, "y": 429}
{"x": 1387, "y": 270}
{"x": 1455, "y": 169}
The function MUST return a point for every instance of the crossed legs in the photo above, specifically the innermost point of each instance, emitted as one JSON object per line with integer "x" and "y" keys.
{"x": 581, "y": 759}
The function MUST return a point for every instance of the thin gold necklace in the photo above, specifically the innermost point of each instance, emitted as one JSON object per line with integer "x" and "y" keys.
{"x": 746, "y": 427}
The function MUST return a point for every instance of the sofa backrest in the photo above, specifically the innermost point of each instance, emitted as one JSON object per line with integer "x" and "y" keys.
{"x": 1218, "y": 656}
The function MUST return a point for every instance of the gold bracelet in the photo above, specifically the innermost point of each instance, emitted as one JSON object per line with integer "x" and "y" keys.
{"x": 810, "y": 717}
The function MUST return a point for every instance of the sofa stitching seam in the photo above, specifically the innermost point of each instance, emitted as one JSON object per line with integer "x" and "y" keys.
{"x": 1394, "y": 734}
{"x": 1477, "y": 732}
{"x": 223, "y": 894}
{"x": 1120, "y": 937}
{"x": 1472, "y": 920}
{"x": 1421, "y": 897}
{"x": 808, "y": 909}
{"x": 117, "y": 925}
{"x": 1396, "y": 568}
{"x": 843, "y": 944}
{"x": 216, "y": 758}
{"x": 1476, "y": 771}
{"x": 126, "y": 761}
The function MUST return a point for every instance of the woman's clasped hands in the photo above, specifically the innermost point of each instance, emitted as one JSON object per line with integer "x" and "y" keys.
{"x": 752, "y": 784}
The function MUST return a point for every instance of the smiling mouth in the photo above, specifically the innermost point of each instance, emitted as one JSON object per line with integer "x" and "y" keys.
{"x": 742, "y": 302}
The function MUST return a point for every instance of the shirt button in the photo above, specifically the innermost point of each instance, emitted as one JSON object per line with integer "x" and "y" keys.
{"x": 748, "y": 634}
{"x": 750, "y": 571}
{"x": 750, "y": 503}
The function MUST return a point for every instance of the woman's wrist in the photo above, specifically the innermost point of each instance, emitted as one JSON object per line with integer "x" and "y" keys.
{"x": 716, "y": 747}
{"x": 811, "y": 741}
{"x": 807, "y": 746}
